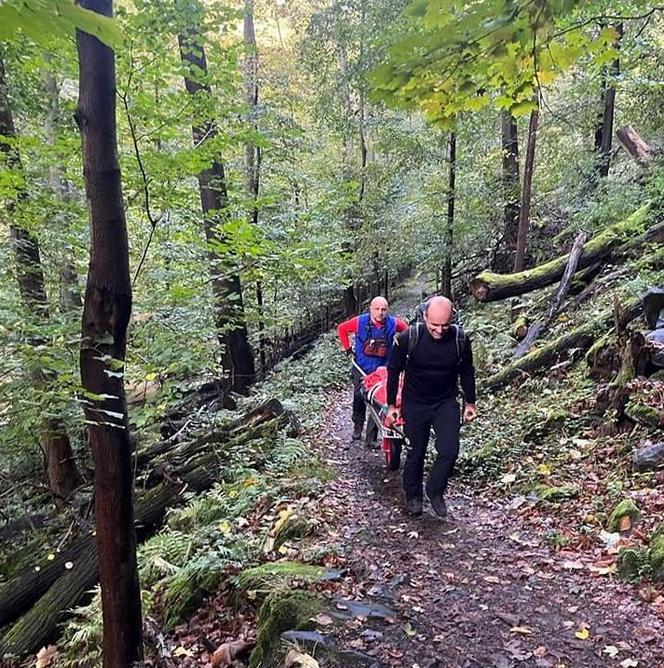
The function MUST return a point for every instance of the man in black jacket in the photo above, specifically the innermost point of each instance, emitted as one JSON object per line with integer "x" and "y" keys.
{"x": 434, "y": 356}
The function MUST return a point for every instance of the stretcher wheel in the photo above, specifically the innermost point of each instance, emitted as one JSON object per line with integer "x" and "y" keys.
{"x": 392, "y": 450}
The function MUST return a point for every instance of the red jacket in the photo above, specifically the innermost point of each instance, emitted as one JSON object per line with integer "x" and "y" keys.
{"x": 348, "y": 327}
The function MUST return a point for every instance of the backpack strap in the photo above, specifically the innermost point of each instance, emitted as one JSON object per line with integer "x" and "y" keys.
{"x": 460, "y": 342}
{"x": 415, "y": 332}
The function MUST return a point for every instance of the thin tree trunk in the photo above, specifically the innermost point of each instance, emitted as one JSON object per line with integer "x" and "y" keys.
{"x": 604, "y": 130}
{"x": 238, "y": 358}
{"x": 511, "y": 189}
{"x": 446, "y": 269}
{"x": 106, "y": 313}
{"x": 70, "y": 295}
{"x": 526, "y": 192}
{"x": 253, "y": 154}
{"x": 61, "y": 471}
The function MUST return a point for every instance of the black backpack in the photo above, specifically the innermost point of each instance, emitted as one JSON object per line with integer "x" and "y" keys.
{"x": 416, "y": 330}
{"x": 417, "y": 314}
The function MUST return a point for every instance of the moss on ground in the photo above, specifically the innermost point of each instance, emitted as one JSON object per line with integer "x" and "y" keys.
{"x": 626, "y": 508}
{"x": 633, "y": 564}
{"x": 281, "y": 611}
{"x": 278, "y": 575}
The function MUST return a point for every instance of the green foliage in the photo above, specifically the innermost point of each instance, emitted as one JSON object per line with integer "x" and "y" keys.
{"x": 41, "y": 19}
{"x": 454, "y": 57}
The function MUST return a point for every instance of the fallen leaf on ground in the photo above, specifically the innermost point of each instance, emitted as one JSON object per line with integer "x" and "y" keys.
{"x": 225, "y": 654}
{"x": 322, "y": 619}
{"x": 583, "y": 634}
{"x": 522, "y": 630}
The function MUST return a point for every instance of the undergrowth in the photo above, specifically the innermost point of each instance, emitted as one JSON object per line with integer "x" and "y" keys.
{"x": 232, "y": 526}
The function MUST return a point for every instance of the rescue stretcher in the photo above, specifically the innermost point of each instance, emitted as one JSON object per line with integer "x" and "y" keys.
{"x": 392, "y": 438}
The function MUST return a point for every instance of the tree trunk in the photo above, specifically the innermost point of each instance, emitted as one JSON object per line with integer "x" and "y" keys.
{"x": 238, "y": 358}
{"x": 106, "y": 313}
{"x": 70, "y": 295}
{"x": 615, "y": 241}
{"x": 446, "y": 269}
{"x": 511, "y": 191}
{"x": 61, "y": 471}
{"x": 526, "y": 192}
{"x": 604, "y": 130}
{"x": 253, "y": 154}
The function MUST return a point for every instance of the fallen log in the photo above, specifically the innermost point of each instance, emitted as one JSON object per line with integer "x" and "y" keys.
{"x": 635, "y": 146}
{"x": 541, "y": 326}
{"x": 261, "y": 413}
{"x": 79, "y": 575}
{"x": 579, "y": 338}
{"x": 194, "y": 472}
{"x": 519, "y": 328}
{"x": 614, "y": 240}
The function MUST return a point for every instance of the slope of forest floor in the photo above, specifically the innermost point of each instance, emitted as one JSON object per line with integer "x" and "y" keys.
{"x": 303, "y": 556}
{"x": 524, "y": 573}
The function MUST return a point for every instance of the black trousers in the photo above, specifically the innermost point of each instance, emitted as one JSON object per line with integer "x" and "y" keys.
{"x": 418, "y": 420}
{"x": 359, "y": 407}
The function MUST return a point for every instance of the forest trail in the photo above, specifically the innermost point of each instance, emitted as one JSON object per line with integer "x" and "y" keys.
{"x": 477, "y": 589}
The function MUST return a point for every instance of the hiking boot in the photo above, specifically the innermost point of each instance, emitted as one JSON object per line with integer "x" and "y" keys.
{"x": 439, "y": 506}
{"x": 357, "y": 432}
{"x": 414, "y": 506}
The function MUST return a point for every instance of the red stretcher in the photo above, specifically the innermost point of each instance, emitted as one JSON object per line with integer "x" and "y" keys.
{"x": 392, "y": 438}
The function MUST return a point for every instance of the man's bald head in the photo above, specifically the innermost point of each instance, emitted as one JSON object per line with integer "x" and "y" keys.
{"x": 378, "y": 309}
{"x": 438, "y": 316}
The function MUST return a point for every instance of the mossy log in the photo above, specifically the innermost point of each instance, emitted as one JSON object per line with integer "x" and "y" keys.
{"x": 262, "y": 413}
{"x": 538, "y": 328}
{"x": 579, "y": 338}
{"x": 614, "y": 240}
{"x": 520, "y": 328}
{"x": 57, "y": 587}
{"x": 37, "y": 626}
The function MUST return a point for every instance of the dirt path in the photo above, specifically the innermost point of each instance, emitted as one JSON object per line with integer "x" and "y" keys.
{"x": 476, "y": 590}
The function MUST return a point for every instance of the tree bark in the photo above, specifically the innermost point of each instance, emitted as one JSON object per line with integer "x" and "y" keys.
{"x": 238, "y": 358}
{"x": 106, "y": 313}
{"x": 61, "y": 471}
{"x": 615, "y": 241}
{"x": 526, "y": 192}
{"x": 446, "y": 269}
{"x": 511, "y": 191}
{"x": 604, "y": 130}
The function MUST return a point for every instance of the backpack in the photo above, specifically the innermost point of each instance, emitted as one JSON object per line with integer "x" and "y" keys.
{"x": 416, "y": 330}
{"x": 417, "y": 314}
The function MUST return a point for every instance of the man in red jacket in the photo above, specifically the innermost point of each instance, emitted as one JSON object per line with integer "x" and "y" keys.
{"x": 374, "y": 336}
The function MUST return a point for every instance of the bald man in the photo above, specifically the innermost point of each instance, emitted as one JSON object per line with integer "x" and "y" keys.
{"x": 435, "y": 357}
{"x": 374, "y": 336}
